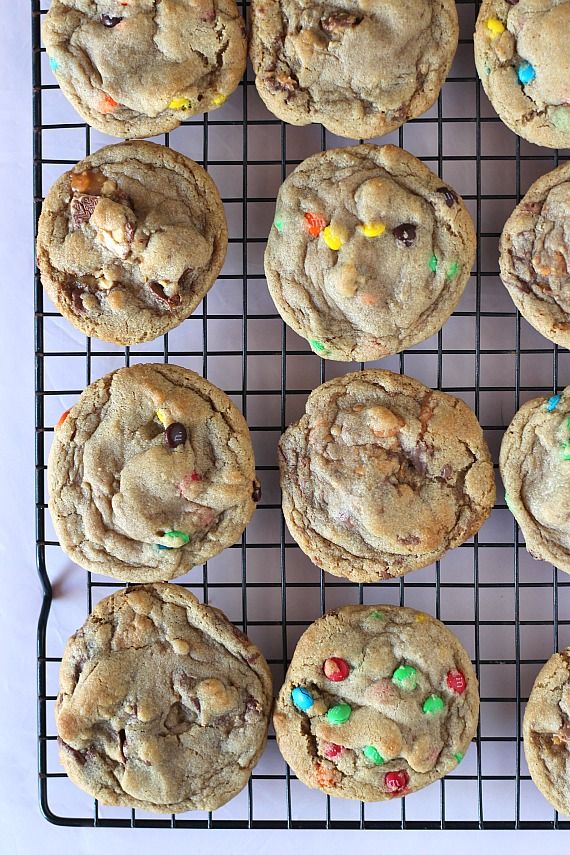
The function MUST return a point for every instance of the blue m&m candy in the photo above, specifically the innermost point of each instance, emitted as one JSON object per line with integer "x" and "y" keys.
{"x": 552, "y": 403}
{"x": 526, "y": 73}
{"x": 302, "y": 698}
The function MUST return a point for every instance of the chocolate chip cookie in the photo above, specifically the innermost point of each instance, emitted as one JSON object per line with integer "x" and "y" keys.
{"x": 150, "y": 473}
{"x": 138, "y": 69}
{"x": 535, "y": 467}
{"x": 381, "y": 475}
{"x": 378, "y": 702}
{"x": 522, "y": 57}
{"x": 546, "y": 731}
{"x": 163, "y": 703}
{"x": 130, "y": 241}
{"x": 535, "y": 255}
{"x": 369, "y": 252}
{"x": 361, "y": 68}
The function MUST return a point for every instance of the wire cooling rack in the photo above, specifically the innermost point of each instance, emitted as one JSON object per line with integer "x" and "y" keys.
{"x": 510, "y": 612}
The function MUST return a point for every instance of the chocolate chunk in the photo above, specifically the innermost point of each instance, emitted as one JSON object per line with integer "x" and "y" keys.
{"x": 110, "y": 20}
{"x": 339, "y": 21}
{"x": 281, "y": 83}
{"x": 81, "y": 209}
{"x": 449, "y": 195}
{"x": 512, "y": 2}
{"x": 77, "y": 302}
{"x": 446, "y": 472}
{"x": 129, "y": 232}
{"x": 256, "y": 495}
{"x": 175, "y": 435}
{"x": 405, "y": 233}
{"x": 160, "y": 294}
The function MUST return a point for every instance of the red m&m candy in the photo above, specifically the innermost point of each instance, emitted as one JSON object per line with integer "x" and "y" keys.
{"x": 456, "y": 682}
{"x": 336, "y": 669}
{"x": 315, "y": 223}
{"x": 333, "y": 750}
{"x": 395, "y": 782}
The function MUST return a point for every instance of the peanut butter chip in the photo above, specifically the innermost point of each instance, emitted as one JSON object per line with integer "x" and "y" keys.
{"x": 180, "y": 646}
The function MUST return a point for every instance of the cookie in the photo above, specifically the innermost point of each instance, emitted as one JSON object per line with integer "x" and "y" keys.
{"x": 381, "y": 475}
{"x": 378, "y": 702}
{"x": 163, "y": 703}
{"x": 535, "y": 468}
{"x": 535, "y": 255}
{"x": 361, "y": 69}
{"x": 150, "y": 473}
{"x": 139, "y": 69}
{"x": 522, "y": 58}
{"x": 130, "y": 241}
{"x": 369, "y": 252}
{"x": 546, "y": 731}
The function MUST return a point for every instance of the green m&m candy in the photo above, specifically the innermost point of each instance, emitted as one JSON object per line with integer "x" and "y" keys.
{"x": 339, "y": 714}
{"x": 433, "y": 705}
{"x": 373, "y": 755}
{"x": 405, "y": 678}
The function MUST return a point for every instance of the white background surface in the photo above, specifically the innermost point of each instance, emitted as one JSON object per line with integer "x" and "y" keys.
{"x": 22, "y": 829}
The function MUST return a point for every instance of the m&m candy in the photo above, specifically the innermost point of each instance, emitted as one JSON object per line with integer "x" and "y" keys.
{"x": 373, "y": 755}
{"x": 336, "y": 669}
{"x": 333, "y": 750}
{"x": 433, "y": 705}
{"x": 405, "y": 678}
{"x": 315, "y": 223}
{"x": 339, "y": 714}
{"x": 552, "y": 403}
{"x": 395, "y": 782}
{"x": 526, "y": 73}
{"x": 456, "y": 682}
{"x": 302, "y": 698}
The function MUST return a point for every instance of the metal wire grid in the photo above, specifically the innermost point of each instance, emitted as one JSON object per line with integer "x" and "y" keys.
{"x": 508, "y": 610}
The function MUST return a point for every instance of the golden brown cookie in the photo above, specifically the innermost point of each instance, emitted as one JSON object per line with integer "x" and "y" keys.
{"x": 150, "y": 473}
{"x": 163, "y": 703}
{"x": 138, "y": 69}
{"x": 382, "y": 475}
{"x": 130, "y": 241}
{"x": 378, "y": 702}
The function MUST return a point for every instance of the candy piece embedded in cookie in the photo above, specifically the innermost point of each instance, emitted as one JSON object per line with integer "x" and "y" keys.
{"x": 522, "y": 57}
{"x": 535, "y": 468}
{"x": 546, "y": 731}
{"x": 130, "y": 241}
{"x": 139, "y": 69}
{"x": 163, "y": 703}
{"x": 535, "y": 255}
{"x": 150, "y": 473}
{"x": 361, "y": 69}
{"x": 381, "y": 475}
{"x": 399, "y": 720}
{"x": 369, "y": 252}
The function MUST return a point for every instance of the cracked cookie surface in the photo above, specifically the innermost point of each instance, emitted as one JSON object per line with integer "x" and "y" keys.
{"x": 382, "y": 475}
{"x": 361, "y": 68}
{"x": 139, "y": 68}
{"x": 378, "y": 701}
{"x": 163, "y": 703}
{"x": 522, "y": 58}
{"x": 535, "y": 255}
{"x": 546, "y": 731}
{"x": 535, "y": 468}
{"x": 369, "y": 252}
{"x": 130, "y": 241}
{"x": 150, "y": 473}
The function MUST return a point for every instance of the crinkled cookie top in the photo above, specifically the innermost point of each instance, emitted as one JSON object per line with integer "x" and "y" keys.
{"x": 382, "y": 475}
{"x": 369, "y": 252}
{"x": 546, "y": 731}
{"x": 130, "y": 241}
{"x": 535, "y": 467}
{"x": 378, "y": 701}
{"x": 535, "y": 255}
{"x": 150, "y": 473}
{"x": 139, "y": 68}
{"x": 361, "y": 67}
{"x": 163, "y": 703}
{"x": 522, "y": 56}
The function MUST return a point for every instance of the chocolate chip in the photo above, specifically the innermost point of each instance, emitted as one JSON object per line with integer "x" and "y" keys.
{"x": 281, "y": 83}
{"x": 160, "y": 294}
{"x": 339, "y": 21}
{"x": 81, "y": 208}
{"x": 110, "y": 21}
{"x": 175, "y": 435}
{"x": 256, "y": 495}
{"x": 129, "y": 232}
{"x": 405, "y": 233}
{"x": 512, "y": 2}
{"x": 449, "y": 195}
{"x": 77, "y": 301}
